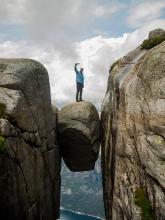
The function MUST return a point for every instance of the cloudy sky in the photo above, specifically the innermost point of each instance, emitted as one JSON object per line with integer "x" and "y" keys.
{"x": 59, "y": 33}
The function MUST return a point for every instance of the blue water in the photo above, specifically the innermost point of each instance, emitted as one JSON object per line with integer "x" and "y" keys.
{"x": 67, "y": 215}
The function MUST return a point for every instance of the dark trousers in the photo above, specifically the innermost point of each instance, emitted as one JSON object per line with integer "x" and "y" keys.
{"x": 79, "y": 91}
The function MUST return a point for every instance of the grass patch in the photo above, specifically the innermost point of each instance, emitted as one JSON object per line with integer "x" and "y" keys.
{"x": 143, "y": 202}
{"x": 152, "y": 42}
{"x": 2, "y": 143}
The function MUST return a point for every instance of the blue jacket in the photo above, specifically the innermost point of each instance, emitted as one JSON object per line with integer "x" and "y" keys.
{"x": 79, "y": 77}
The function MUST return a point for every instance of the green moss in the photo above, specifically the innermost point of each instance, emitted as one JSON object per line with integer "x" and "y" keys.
{"x": 152, "y": 42}
{"x": 143, "y": 202}
{"x": 2, "y": 143}
{"x": 2, "y": 110}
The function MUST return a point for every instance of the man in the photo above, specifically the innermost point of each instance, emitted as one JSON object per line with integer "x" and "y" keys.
{"x": 79, "y": 82}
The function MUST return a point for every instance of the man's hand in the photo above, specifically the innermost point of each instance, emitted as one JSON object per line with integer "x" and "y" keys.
{"x": 75, "y": 67}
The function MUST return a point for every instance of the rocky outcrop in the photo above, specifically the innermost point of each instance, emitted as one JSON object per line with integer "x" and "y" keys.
{"x": 156, "y": 32}
{"x": 29, "y": 154}
{"x": 133, "y": 137}
{"x": 78, "y": 133}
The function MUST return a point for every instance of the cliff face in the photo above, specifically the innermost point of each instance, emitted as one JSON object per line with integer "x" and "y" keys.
{"x": 133, "y": 137}
{"x": 29, "y": 154}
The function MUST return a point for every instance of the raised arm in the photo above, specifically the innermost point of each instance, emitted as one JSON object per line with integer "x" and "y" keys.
{"x": 75, "y": 67}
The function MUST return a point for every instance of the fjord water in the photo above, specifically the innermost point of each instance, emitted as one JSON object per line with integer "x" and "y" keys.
{"x": 82, "y": 191}
{"x": 68, "y": 215}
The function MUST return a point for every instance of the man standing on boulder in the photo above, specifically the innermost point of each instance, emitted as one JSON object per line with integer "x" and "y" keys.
{"x": 79, "y": 82}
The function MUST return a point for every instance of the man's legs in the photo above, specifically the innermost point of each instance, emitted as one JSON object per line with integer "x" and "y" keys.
{"x": 78, "y": 91}
{"x": 81, "y": 90}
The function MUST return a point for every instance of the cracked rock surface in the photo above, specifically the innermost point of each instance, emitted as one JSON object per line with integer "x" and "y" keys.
{"x": 29, "y": 159}
{"x": 78, "y": 134}
{"x": 133, "y": 136}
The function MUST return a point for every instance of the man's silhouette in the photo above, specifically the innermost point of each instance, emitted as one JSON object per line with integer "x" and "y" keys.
{"x": 79, "y": 83}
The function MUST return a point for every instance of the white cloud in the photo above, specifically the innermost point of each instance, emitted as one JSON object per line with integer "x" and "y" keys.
{"x": 53, "y": 27}
{"x": 12, "y": 11}
{"x": 110, "y": 9}
{"x": 53, "y": 24}
{"x": 65, "y": 20}
{"x": 95, "y": 54}
{"x": 145, "y": 12}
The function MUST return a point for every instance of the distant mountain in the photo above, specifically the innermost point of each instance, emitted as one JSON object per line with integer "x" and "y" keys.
{"x": 83, "y": 191}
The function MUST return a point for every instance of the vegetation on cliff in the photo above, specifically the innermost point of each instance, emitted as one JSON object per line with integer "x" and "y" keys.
{"x": 143, "y": 202}
{"x": 152, "y": 42}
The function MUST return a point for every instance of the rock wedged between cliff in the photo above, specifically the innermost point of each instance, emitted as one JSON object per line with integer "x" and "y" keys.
{"x": 79, "y": 135}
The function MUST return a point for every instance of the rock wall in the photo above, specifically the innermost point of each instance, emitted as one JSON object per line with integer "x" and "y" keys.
{"x": 133, "y": 137}
{"x": 29, "y": 154}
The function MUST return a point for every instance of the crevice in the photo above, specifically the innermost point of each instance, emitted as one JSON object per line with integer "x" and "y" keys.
{"x": 18, "y": 164}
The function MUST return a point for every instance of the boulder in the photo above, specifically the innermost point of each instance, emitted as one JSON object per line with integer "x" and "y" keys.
{"x": 78, "y": 135}
{"x": 133, "y": 137}
{"x": 157, "y": 32}
{"x": 29, "y": 154}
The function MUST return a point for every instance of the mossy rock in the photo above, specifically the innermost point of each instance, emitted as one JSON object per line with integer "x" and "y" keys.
{"x": 152, "y": 42}
{"x": 2, "y": 110}
{"x": 142, "y": 201}
{"x": 2, "y": 143}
